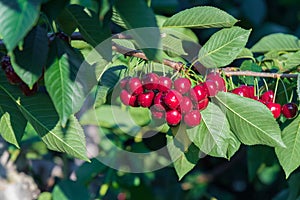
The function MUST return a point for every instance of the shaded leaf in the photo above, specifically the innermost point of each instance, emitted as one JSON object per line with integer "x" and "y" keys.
{"x": 67, "y": 189}
{"x": 183, "y": 161}
{"x": 278, "y": 42}
{"x": 294, "y": 187}
{"x": 289, "y": 157}
{"x": 213, "y": 133}
{"x": 292, "y": 61}
{"x": 17, "y": 18}
{"x": 139, "y": 15}
{"x": 223, "y": 47}
{"x": 201, "y": 17}
{"x": 245, "y": 53}
{"x": 29, "y": 62}
{"x": 244, "y": 122}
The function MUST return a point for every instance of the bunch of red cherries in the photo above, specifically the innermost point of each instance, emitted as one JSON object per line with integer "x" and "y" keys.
{"x": 14, "y": 79}
{"x": 289, "y": 110}
{"x": 173, "y": 101}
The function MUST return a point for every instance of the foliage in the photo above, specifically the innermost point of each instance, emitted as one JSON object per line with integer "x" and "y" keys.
{"x": 79, "y": 86}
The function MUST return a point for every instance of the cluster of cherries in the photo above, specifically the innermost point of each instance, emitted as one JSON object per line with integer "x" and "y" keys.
{"x": 289, "y": 110}
{"x": 14, "y": 79}
{"x": 174, "y": 101}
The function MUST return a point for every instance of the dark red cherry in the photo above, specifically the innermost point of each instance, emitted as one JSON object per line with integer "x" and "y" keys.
{"x": 128, "y": 99}
{"x": 193, "y": 118}
{"x": 182, "y": 85}
{"x": 134, "y": 86}
{"x": 275, "y": 108}
{"x": 172, "y": 99}
{"x": 5, "y": 62}
{"x": 156, "y": 113}
{"x": 289, "y": 110}
{"x": 11, "y": 75}
{"x": 211, "y": 88}
{"x": 220, "y": 82}
{"x": 268, "y": 96}
{"x": 150, "y": 81}
{"x": 26, "y": 90}
{"x": 165, "y": 84}
{"x": 145, "y": 99}
{"x": 173, "y": 117}
{"x": 198, "y": 93}
{"x": 186, "y": 105}
{"x": 203, "y": 104}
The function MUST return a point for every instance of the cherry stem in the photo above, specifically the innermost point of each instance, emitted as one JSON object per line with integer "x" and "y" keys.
{"x": 266, "y": 85}
{"x": 285, "y": 90}
{"x": 275, "y": 91}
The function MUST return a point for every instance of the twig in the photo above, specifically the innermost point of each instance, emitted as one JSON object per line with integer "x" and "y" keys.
{"x": 257, "y": 74}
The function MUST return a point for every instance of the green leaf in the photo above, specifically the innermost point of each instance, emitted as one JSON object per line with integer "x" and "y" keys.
{"x": 68, "y": 80}
{"x": 277, "y": 41}
{"x": 12, "y": 122}
{"x": 183, "y": 161}
{"x": 67, "y": 189}
{"x": 213, "y": 134}
{"x": 245, "y": 53}
{"x": 249, "y": 65}
{"x": 289, "y": 157}
{"x": 173, "y": 45}
{"x": 298, "y": 86}
{"x": 139, "y": 15}
{"x": 223, "y": 47}
{"x": 29, "y": 62}
{"x": 141, "y": 116}
{"x": 40, "y": 112}
{"x": 251, "y": 121}
{"x": 6, "y": 130}
{"x": 18, "y": 17}
{"x": 89, "y": 26}
{"x": 201, "y": 17}
{"x": 292, "y": 61}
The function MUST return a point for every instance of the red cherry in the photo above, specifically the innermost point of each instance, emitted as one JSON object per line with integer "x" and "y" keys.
{"x": 173, "y": 117}
{"x": 192, "y": 118}
{"x": 221, "y": 85}
{"x": 165, "y": 84}
{"x": 11, "y": 75}
{"x": 145, "y": 99}
{"x": 203, "y": 104}
{"x": 240, "y": 91}
{"x": 182, "y": 85}
{"x": 26, "y": 90}
{"x": 172, "y": 99}
{"x": 5, "y": 62}
{"x": 128, "y": 99}
{"x": 289, "y": 110}
{"x": 186, "y": 105}
{"x": 211, "y": 88}
{"x": 198, "y": 93}
{"x": 63, "y": 36}
{"x": 150, "y": 81}
{"x": 268, "y": 96}
{"x": 156, "y": 113}
{"x": 124, "y": 82}
{"x": 158, "y": 101}
{"x": 275, "y": 108}
{"x": 249, "y": 91}
{"x": 134, "y": 86}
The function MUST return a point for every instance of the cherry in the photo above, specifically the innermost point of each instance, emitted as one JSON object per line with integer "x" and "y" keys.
{"x": 211, "y": 87}
{"x": 240, "y": 91}
{"x": 5, "y": 62}
{"x": 186, "y": 105}
{"x": 145, "y": 99}
{"x": 26, "y": 90}
{"x": 165, "y": 84}
{"x": 172, "y": 99}
{"x": 275, "y": 108}
{"x": 11, "y": 75}
{"x": 156, "y": 112}
{"x": 192, "y": 118}
{"x": 198, "y": 93}
{"x": 128, "y": 99}
{"x": 158, "y": 101}
{"x": 124, "y": 81}
{"x": 203, "y": 104}
{"x": 134, "y": 86}
{"x": 289, "y": 110}
{"x": 268, "y": 96}
{"x": 173, "y": 117}
{"x": 221, "y": 86}
{"x": 182, "y": 85}
{"x": 249, "y": 91}
{"x": 150, "y": 81}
